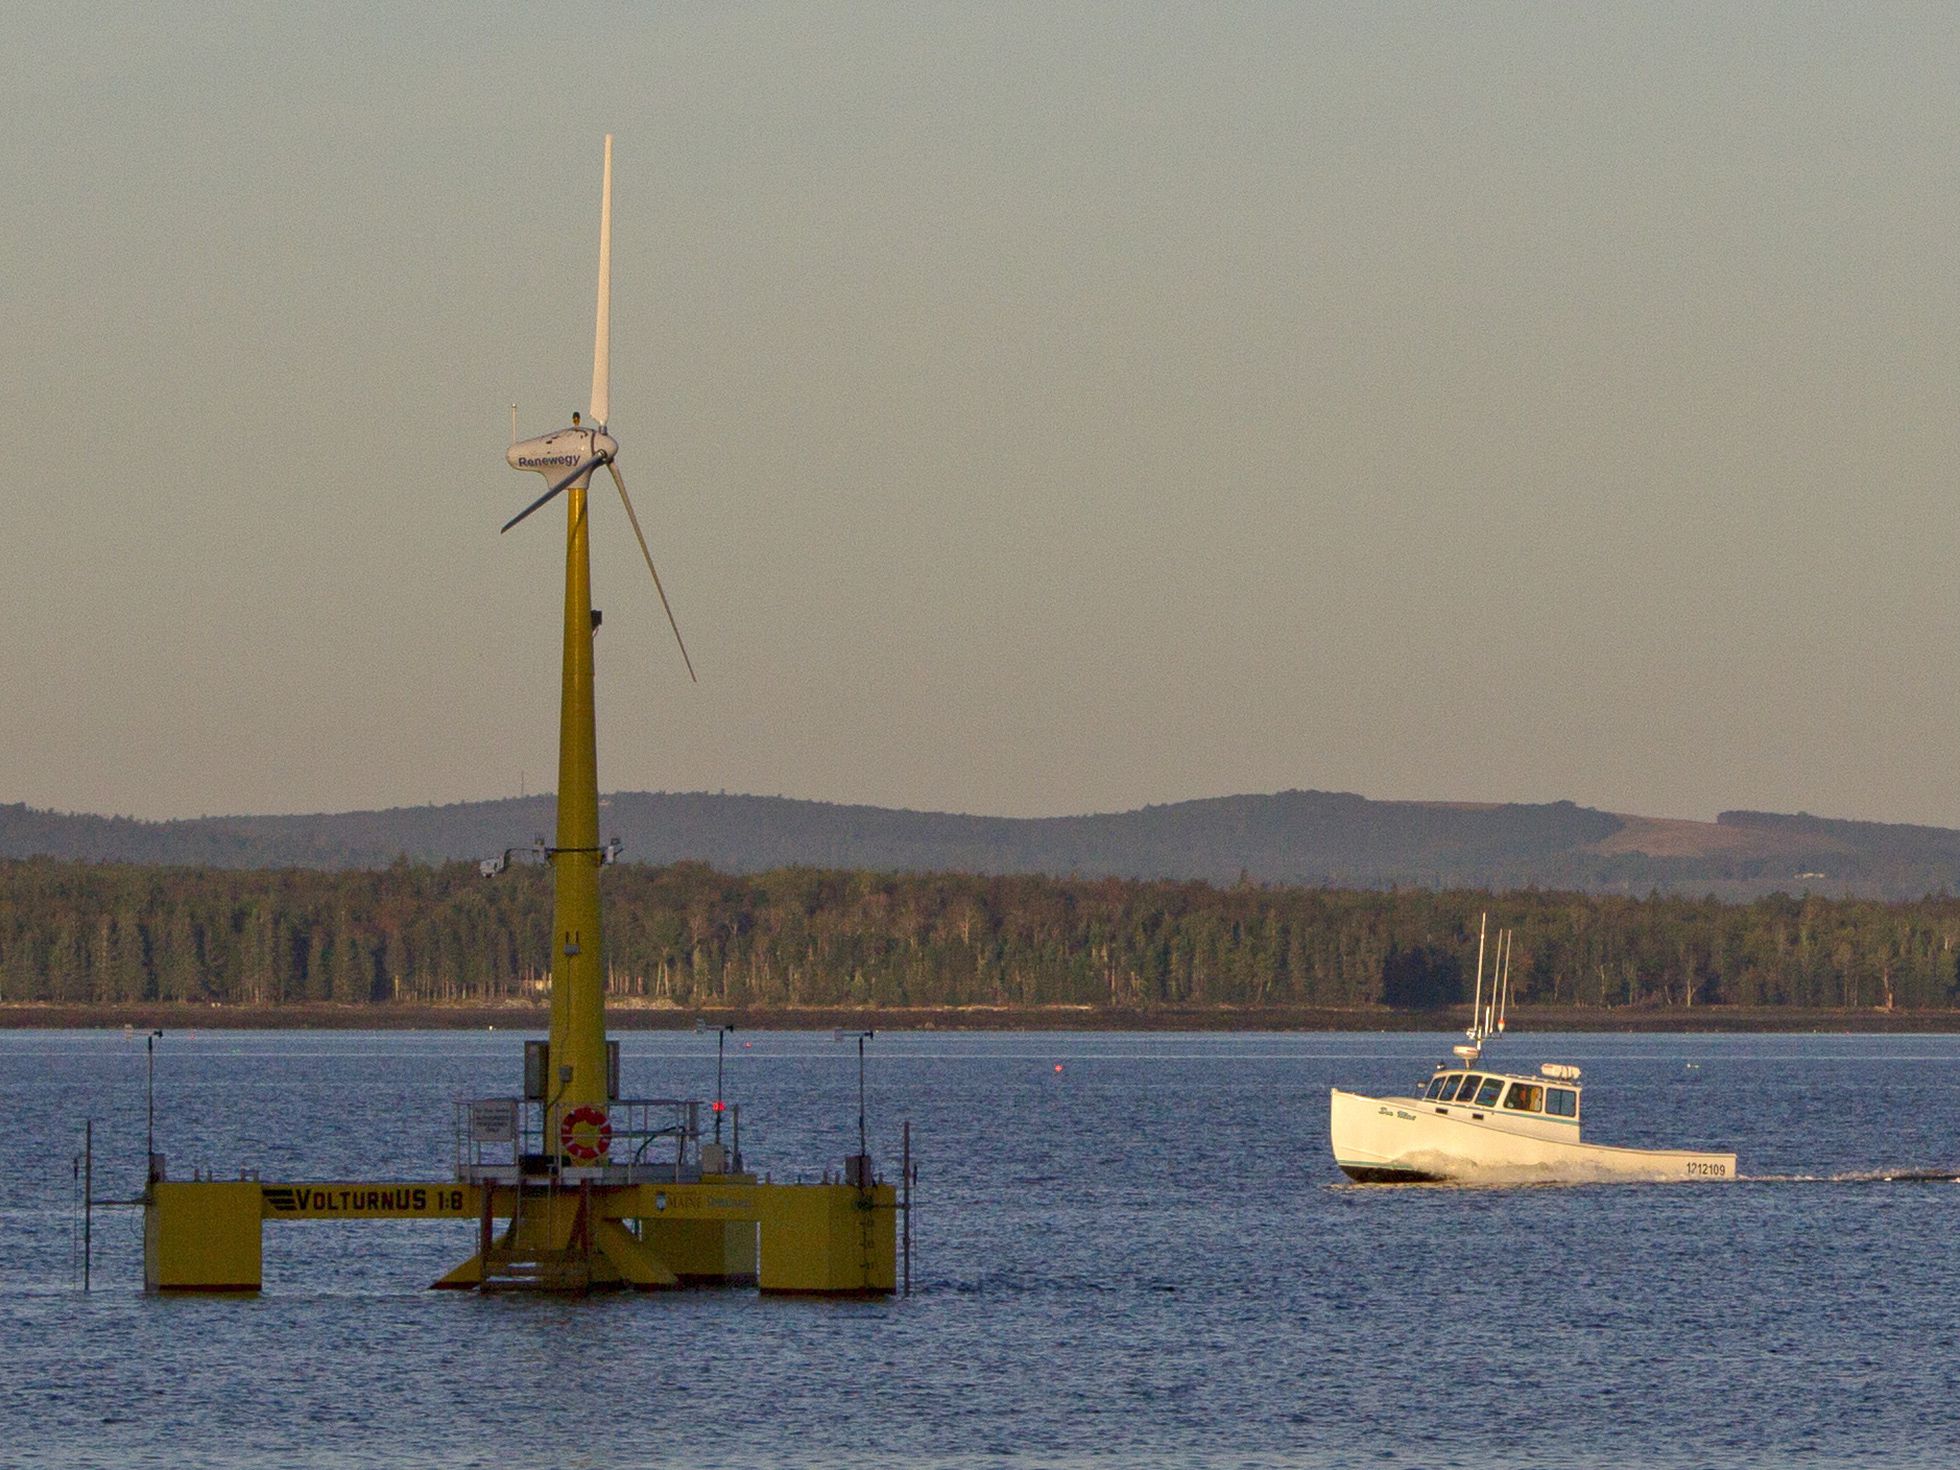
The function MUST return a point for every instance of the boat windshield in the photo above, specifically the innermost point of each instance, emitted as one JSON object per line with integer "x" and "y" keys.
{"x": 1487, "y": 1090}
{"x": 1450, "y": 1085}
{"x": 1525, "y": 1097}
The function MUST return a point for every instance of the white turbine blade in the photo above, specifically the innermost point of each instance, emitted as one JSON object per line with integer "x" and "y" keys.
{"x": 602, "y": 336}
{"x": 627, "y": 501}
{"x": 586, "y": 468}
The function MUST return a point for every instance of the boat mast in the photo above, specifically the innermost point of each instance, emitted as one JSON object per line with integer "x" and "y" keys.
{"x": 1477, "y": 1005}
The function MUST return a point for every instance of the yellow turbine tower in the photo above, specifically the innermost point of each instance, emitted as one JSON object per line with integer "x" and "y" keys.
{"x": 576, "y": 1091}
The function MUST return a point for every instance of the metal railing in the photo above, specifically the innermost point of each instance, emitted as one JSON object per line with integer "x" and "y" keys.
{"x": 625, "y": 1140}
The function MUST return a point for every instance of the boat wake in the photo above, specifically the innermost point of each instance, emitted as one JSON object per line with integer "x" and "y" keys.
{"x": 1859, "y": 1176}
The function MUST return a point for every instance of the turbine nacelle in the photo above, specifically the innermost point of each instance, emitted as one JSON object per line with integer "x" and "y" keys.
{"x": 556, "y": 455}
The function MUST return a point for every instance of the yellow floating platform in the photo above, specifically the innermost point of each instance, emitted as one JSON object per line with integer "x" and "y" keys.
{"x": 823, "y": 1239}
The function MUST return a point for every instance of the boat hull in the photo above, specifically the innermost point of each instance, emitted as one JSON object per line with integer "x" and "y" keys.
{"x": 1403, "y": 1140}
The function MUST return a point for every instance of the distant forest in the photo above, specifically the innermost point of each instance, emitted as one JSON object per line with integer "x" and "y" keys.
{"x": 81, "y": 933}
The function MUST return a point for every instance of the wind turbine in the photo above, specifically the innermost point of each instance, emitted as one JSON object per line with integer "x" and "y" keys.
{"x": 578, "y": 1085}
{"x": 586, "y": 447}
{"x": 579, "y": 1218}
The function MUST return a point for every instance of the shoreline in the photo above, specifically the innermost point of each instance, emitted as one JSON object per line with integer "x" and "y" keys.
{"x": 42, "y": 1015}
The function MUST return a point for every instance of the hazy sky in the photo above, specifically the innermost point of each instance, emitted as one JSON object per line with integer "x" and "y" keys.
{"x": 1034, "y": 408}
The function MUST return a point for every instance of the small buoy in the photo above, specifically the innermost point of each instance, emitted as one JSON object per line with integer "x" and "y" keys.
{"x": 1058, "y": 1066}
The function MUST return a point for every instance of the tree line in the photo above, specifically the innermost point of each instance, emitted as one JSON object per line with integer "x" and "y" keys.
{"x": 87, "y": 933}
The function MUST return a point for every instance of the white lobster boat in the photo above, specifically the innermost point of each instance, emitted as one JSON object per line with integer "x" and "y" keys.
{"x": 1472, "y": 1124}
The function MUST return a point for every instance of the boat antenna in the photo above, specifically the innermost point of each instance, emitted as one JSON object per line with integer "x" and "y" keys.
{"x": 1477, "y": 1004}
{"x": 1490, "y": 1006}
{"x": 1504, "y": 994}
{"x": 1497, "y": 983}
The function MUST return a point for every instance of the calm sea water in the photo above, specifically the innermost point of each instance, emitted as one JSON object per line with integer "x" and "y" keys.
{"x": 1144, "y": 1258}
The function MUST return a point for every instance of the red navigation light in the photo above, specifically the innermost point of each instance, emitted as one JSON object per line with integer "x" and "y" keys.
{"x": 720, "y": 1106}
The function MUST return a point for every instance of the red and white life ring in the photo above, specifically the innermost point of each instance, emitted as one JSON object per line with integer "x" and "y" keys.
{"x": 585, "y": 1134}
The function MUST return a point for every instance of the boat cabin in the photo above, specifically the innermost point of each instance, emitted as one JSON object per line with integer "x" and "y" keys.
{"x": 1552, "y": 1097}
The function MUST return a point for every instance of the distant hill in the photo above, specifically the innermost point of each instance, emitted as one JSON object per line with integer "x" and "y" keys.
{"x": 1294, "y": 837}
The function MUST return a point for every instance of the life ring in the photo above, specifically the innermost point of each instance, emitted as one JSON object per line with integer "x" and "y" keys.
{"x": 585, "y": 1134}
